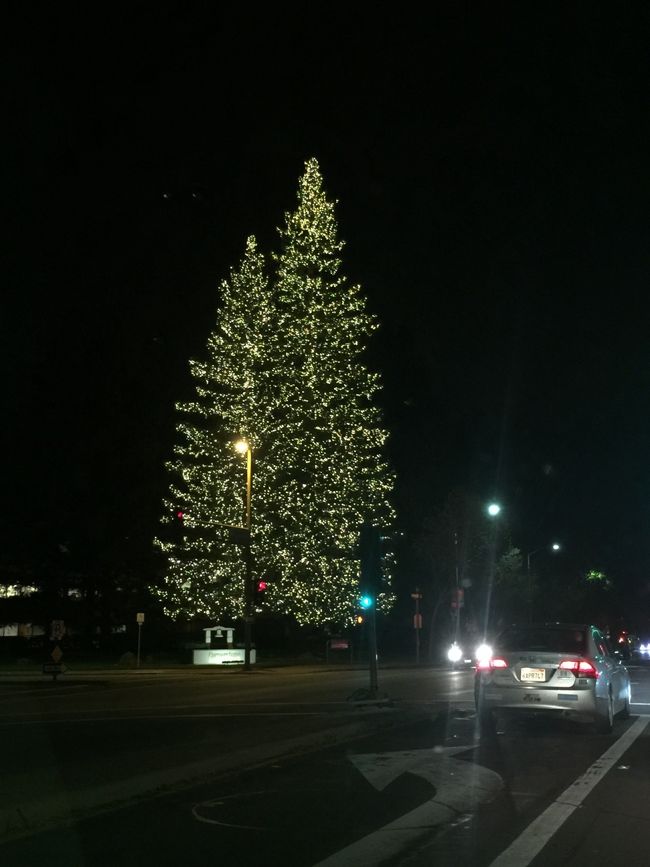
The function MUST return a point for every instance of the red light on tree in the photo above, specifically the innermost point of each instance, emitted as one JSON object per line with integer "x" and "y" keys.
{"x": 262, "y": 585}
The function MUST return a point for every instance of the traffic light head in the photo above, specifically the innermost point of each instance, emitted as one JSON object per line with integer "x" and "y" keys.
{"x": 260, "y": 586}
{"x": 366, "y": 601}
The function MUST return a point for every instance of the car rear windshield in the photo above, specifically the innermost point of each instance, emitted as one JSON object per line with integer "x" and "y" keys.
{"x": 543, "y": 638}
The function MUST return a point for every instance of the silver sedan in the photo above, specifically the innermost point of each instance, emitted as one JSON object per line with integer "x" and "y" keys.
{"x": 561, "y": 669}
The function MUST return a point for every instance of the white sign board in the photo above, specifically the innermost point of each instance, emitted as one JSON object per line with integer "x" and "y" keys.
{"x": 139, "y": 617}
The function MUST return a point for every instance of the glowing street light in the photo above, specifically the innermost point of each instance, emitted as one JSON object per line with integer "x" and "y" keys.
{"x": 493, "y": 510}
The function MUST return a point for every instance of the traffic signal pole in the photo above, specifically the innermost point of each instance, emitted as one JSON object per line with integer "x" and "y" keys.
{"x": 369, "y": 545}
{"x": 372, "y": 653}
{"x": 248, "y": 608}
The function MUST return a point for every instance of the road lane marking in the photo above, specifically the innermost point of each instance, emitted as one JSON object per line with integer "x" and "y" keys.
{"x": 224, "y": 799}
{"x": 42, "y": 810}
{"x": 530, "y": 843}
{"x": 41, "y": 693}
{"x": 136, "y": 717}
{"x": 460, "y": 787}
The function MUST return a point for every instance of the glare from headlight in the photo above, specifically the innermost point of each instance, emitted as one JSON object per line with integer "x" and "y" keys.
{"x": 483, "y": 653}
{"x": 454, "y": 654}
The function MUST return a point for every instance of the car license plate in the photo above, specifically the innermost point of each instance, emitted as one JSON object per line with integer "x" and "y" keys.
{"x": 533, "y": 675}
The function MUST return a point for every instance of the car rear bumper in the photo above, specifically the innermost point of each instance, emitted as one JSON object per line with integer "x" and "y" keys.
{"x": 568, "y": 702}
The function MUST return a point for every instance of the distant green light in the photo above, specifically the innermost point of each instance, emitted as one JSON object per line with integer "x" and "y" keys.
{"x": 366, "y": 601}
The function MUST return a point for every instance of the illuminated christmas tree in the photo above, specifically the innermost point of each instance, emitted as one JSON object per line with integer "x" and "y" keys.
{"x": 285, "y": 371}
{"x": 328, "y": 443}
{"x": 205, "y": 571}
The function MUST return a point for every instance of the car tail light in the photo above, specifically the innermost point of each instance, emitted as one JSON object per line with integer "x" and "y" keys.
{"x": 490, "y": 664}
{"x": 579, "y": 667}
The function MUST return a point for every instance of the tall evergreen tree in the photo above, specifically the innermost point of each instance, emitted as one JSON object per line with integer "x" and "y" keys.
{"x": 328, "y": 443}
{"x": 205, "y": 573}
{"x": 285, "y": 370}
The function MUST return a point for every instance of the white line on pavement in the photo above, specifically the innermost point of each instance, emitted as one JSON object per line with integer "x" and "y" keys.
{"x": 137, "y": 717}
{"x": 530, "y": 843}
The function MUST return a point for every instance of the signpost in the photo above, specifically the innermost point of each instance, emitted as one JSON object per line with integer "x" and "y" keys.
{"x": 56, "y": 667}
{"x": 140, "y": 620}
{"x": 417, "y": 623}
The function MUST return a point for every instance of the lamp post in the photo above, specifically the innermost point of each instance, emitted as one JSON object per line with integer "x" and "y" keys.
{"x": 244, "y": 448}
{"x": 554, "y": 547}
{"x": 493, "y": 510}
{"x": 457, "y": 574}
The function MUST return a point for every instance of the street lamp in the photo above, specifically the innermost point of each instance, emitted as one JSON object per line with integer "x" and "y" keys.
{"x": 493, "y": 510}
{"x": 553, "y": 547}
{"x": 244, "y": 448}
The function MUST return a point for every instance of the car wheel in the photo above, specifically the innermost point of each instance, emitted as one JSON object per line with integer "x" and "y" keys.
{"x": 605, "y": 724}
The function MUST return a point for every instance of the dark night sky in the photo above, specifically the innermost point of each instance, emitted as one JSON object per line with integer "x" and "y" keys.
{"x": 491, "y": 168}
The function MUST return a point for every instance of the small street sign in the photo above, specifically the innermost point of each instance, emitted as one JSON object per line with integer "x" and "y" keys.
{"x": 139, "y": 617}
{"x": 56, "y": 655}
{"x": 417, "y": 621}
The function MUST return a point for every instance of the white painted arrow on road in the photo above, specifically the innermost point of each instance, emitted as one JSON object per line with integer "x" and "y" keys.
{"x": 460, "y": 787}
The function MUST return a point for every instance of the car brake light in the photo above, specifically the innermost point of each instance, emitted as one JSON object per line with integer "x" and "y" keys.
{"x": 579, "y": 667}
{"x": 488, "y": 664}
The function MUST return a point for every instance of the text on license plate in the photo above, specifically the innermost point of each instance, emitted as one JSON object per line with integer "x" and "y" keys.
{"x": 533, "y": 674}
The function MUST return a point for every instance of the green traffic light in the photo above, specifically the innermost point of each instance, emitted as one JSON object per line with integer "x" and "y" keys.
{"x": 366, "y": 601}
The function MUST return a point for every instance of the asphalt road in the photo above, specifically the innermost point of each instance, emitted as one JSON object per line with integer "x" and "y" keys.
{"x": 293, "y": 767}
